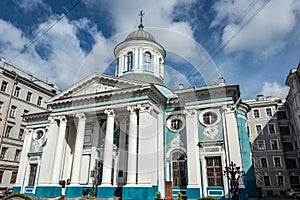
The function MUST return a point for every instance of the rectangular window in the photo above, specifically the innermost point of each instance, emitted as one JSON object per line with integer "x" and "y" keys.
{"x": 274, "y": 144}
{"x": 269, "y": 112}
{"x": 17, "y": 92}
{"x": 4, "y": 86}
{"x": 21, "y": 134}
{"x": 258, "y": 129}
{"x": 267, "y": 180}
{"x": 256, "y": 113}
{"x": 291, "y": 163}
{"x": 263, "y": 162}
{"x": 294, "y": 180}
{"x": 8, "y": 131}
{"x": 287, "y": 146}
{"x": 39, "y": 102}
{"x": 261, "y": 145}
{"x": 32, "y": 174}
{"x": 3, "y": 153}
{"x": 1, "y": 176}
{"x": 284, "y": 130}
{"x": 214, "y": 171}
{"x": 281, "y": 115}
{"x": 280, "y": 180}
{"x": 13, "y": 177}
{"x": 12, "y": 111}
{"x": 28, "y": 97}
{"x": 1, "y": 105}
{"x": 271, "y": 128}
{"x": 25, "y": 112}
{"x": 277, "y": 161}
{"x": 17, "y": 155}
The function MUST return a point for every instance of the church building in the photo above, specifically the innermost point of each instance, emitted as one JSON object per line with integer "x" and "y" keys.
{"x": 130, "y": 136}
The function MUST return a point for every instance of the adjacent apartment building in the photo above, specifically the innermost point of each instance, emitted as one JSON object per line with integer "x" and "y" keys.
{"x": 273, "y": 143}
{"x": 20, "y": 94}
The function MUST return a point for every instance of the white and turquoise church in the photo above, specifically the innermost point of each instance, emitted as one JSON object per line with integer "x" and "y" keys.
{"x": 130, "y": 136}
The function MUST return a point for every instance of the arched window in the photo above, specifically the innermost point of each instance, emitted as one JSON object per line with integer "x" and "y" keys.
{"x": 147, "y": 61}
{"x": 178, "y": 169}
{"x": 129, "y": 60}
{"x": 160, "y": 67}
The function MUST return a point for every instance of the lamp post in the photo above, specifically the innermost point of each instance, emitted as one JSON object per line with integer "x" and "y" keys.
{"x": 233, "y": 173}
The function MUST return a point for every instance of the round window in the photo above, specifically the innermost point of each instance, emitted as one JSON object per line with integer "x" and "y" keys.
{"x": 210, "y": 117}
{"x": 38, "y": 134}
{"x": 175, "y": 123}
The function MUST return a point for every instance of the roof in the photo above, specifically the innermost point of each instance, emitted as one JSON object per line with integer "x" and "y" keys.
{"x": 140, "y": 35}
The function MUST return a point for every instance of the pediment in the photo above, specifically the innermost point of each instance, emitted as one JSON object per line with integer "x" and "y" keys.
{"x": 95, "y": 84}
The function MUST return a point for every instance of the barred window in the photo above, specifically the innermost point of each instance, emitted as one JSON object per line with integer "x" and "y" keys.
{"x": 32, "y": 174}
{"x": 214, "y": 171}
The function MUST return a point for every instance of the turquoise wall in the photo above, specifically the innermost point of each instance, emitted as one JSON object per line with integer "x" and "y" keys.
{"x": 246, "y": 158}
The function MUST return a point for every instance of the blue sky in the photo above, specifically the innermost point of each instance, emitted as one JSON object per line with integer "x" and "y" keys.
{"x": 253, "y": 43}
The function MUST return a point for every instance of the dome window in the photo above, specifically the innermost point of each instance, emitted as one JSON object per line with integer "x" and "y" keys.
{"x": 147, "y": 61}
{"x": 129, "y": 61}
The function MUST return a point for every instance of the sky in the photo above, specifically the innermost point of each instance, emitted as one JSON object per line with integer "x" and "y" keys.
{"x": 252, "y": 43}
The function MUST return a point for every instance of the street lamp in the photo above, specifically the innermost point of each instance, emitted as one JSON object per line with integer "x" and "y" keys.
{"x": 233, "y": 173}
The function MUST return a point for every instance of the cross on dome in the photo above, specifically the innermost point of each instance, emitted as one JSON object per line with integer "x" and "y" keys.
{"x": 141, "y": 14}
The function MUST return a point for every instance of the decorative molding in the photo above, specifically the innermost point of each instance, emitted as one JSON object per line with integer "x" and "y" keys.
{"x": 190, "y": 112}
{"x": 62, "y": 119}
{"x": 81, "y": 116}
{"x": 146, "y": 108}
{"x": 52, "y": 119}
{"x": 176, "y": 142}
{"x": 109, "y": 112}
{"x": 211, "y": 131}
{"x": 132, "y": 109}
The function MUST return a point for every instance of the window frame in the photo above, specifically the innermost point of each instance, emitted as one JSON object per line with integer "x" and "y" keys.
{"x": 7, "y": 131}
{"x": 3, "y": 153}
{"x": 261, "y": 129}
{"x": 269, "y": 112}
{"x": 17, "y": 91}
{"x": 29, "y": 96}
{"x": 277, "y": 144}
{"x": 39, "y": 101}
{"x": 256, "y": 115}
{"x": 4, "y": 86}
{"x": 274, "y": 128}
{"x": 264, "y": 145}
{"x": 274, "y": 162}
{"x": 12, "y": 111}
{"x": 261, "y": 163}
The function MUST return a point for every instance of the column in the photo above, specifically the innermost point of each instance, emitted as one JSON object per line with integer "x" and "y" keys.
{"x": 76, "y": 167}
{"x": 48, "y": 155}
{"x": 193, "y": 159}
{"x": 56, "y": 169}
{"x": 147, "y": 149}
{"x": 23, "y": 160}
{"x": 132, "y": 146}
{"x": 122, "y": 150}
{"x": 108, "y": 148}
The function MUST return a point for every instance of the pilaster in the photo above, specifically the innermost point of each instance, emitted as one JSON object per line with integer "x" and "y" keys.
{"x": 76, "y": 167}
{"x": 108, "y": 148}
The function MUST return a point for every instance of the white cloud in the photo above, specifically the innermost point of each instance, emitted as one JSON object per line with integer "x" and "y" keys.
{"x": 30, "y": 5}
{"x": 266, "y": 34}
{"x": 56, "y": 56}
{"x": 274, "y": 89}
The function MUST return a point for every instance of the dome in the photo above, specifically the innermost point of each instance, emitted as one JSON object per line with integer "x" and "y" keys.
{"x": 140, "y": 35}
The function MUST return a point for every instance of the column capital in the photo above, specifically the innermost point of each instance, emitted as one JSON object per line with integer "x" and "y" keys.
{"x": 145, "y": 108}
{"x": 62, "y": 118}
{"x": 190, "y": 112}
{"x": 81, "y": 116}
{"x": 52, "y": 119}
{"x": 133, "y": 108}
{"x": 109, "y": 112}
{"x": 28, "y": 131}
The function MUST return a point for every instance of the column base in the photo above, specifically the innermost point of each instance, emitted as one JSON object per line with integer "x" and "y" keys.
{"x": 73, "y": 191}
{"x": 105, "y": 192}
{"x": 139, "y": 192}
{"x": 193, "y": 193}
{"x": 16, "y": 189}
{"x": 47, "y": 191}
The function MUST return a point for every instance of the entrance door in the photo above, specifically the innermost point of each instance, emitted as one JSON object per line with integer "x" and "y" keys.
{"x": 179, "y": 169}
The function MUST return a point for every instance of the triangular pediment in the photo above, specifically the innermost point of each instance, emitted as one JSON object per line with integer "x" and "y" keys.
{"x": 95, "y": 84}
